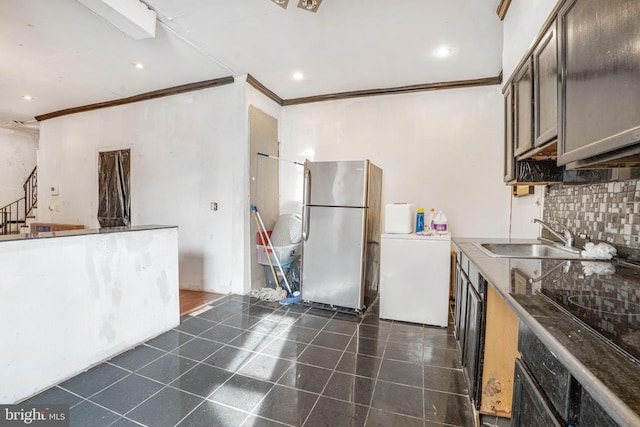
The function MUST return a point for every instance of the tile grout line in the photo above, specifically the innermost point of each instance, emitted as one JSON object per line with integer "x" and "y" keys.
{"x": 333, "y": 371}
{"x": 237, "y": 372}
{"x": 167, "y": 385}
{"x": 375, "y": 382}
{"x": 206, "y": 398}
{"x": 422, "y": 368}
{"x": 272, "y": 338}
{"x": 284, "y": 373}
{"x": 296, "y": 361}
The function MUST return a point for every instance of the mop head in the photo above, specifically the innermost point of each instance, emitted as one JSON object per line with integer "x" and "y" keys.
{"x": 293, "y": 298}
{"x": 269, "y": 294}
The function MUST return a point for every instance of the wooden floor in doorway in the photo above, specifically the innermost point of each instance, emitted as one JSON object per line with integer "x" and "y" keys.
{"x": 193, "y": 300}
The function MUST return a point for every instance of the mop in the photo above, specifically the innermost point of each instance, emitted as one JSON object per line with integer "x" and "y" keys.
{"x": 279, "y": 159}
{"x": 293, "y": 298}
{"x": 267, "y": 294}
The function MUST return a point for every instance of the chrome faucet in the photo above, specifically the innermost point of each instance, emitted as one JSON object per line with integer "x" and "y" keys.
{"x": 568, "y": 239}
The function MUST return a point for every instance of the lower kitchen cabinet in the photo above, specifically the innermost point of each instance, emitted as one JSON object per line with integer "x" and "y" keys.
{"x": 500, "y": 353}
{"x": 592, "y": 414}
{"x": 473, "y": 342}
{"x": 461, "y": 285}
{"x": 487, "y": 333}
{"x": 531, "y": 408}
{"x": 549, "y": 373}
{"x": 512, "y": 368}
{"x": 550, "y": 392}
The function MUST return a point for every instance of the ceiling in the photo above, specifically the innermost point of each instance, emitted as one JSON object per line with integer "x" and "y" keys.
{"x": 64, "y": 55}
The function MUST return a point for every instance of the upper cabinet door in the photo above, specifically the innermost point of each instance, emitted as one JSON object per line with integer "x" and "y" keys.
{"x": 545, "y": 72}
{"x": 523, "y": 109}
{"x": 509, "y": 161}
{"x": 599, "y": 77}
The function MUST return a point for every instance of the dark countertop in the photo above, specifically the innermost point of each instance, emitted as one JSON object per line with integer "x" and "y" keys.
{"x": 612, "y": 377}
{"x": 81, "y": 232}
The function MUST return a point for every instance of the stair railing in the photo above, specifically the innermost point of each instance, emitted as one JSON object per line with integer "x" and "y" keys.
{"x": 15, "y": 214}
{"x": 10, "y": 217}
{"x": 31, "y": 192}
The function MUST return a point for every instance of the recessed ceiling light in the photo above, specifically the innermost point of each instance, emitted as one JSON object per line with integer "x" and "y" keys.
{"x": 298, "y": 76}
{"x": 443, "y": 51}
{"x": 27, "y": 98}
{"x": 139, "y": 66}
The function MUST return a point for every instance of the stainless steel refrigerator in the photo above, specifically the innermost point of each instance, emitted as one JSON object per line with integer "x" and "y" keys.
{"x": 341, "y": 233}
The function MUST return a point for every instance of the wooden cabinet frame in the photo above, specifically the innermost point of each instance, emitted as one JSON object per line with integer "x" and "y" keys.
{"x": 545, "y": 77}
{"x": 500, "y": 353}
{"x": 523, "y": 109}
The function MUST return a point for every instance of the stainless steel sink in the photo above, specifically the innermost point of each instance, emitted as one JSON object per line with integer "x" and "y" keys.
{"x": 528, "y": 250}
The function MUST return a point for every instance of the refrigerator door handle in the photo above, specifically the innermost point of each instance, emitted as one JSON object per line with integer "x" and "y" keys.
{"x": 305, "y": 214}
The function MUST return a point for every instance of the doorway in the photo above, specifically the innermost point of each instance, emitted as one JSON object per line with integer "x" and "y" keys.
{"x": 114, "y": 188}
{"x": 264, "y": 189}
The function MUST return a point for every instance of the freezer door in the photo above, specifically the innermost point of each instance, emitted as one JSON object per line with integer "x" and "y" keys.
{"x": 336, "y": 183}
{"x": 333, "y": 257}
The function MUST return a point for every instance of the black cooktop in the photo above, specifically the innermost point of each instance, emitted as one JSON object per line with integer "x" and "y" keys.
{"x": 604, "y": 296}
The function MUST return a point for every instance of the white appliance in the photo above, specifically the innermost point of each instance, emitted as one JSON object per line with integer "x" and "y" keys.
{"x": 399, "y": 218}
{"x": 414, "y": 278}
{"x": 341, "y": 233}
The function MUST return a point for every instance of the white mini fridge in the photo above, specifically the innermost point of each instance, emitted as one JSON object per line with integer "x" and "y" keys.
{"x": 414, "y": 278}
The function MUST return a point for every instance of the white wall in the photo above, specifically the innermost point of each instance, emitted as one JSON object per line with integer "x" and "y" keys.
{"x": 67, "y": 303}
{"x": 18, "y": 153}
{"x": 523, "y": 210}
{"x": 260, "y": 101}
{"x": 187, "y": 151}
{"x": 441, "y": 149}
{"x": 522, "y": 24}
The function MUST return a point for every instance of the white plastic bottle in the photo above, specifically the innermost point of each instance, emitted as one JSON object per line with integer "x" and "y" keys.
{"x": 432, "y": 215}
{"x": 440, "y": 225}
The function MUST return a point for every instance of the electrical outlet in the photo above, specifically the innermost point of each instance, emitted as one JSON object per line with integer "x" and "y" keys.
{"x": 635, "y": 239}
{"x": 214, "y": 206}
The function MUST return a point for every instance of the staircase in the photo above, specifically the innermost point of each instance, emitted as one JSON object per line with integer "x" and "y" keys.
{"x": 15, "y": 215}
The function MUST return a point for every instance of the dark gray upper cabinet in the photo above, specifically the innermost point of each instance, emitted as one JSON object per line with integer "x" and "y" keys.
{"x": 509, "y": 162}
{"x": 523, "y": 108}
{"x": 545, "y": 74}
{"x": 599, "y": 78}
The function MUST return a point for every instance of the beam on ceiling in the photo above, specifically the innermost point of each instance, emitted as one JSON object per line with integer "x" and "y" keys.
{"x": 132, "y": 17}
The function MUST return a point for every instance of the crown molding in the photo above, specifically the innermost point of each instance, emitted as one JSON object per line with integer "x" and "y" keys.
{"x": 142, "y": 97}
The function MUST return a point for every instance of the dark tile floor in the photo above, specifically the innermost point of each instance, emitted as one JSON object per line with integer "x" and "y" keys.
{"x": 244, "y": 362}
